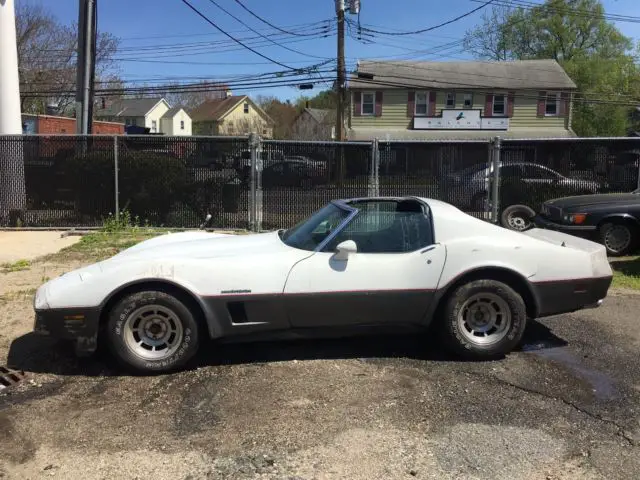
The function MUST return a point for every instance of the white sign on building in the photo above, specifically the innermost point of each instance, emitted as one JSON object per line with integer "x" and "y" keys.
{"x": 460, "y": 119}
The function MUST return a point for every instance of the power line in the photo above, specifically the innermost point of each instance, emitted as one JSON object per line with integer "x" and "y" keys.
{"x": 475, "y": 89}
{"x": 232, "y": 37}
{"x": 562, "y": 9}
{"x": 428, "y": 29}
{"x": 297, "y": 26}
{"x": 263, "y": 36}
{"x": 269, "y": 23}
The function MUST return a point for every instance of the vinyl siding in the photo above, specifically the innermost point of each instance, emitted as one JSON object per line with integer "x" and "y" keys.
{"x": 156, "y": 114}
{"x": 394, "y": 110}
{"x": 239, "y": 123}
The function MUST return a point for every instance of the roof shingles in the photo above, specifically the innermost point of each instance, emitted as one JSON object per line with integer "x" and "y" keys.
{"x": 213, "y": 110}
{"x": 129, "y": 107}
{"x": 519, "y": 74}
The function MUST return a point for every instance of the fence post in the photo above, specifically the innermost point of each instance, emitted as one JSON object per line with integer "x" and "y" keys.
{"x": 373, "y": 190}
{"x": 255, "y": 194}
{"x": 116, "y": 175}
{"x": 495, "y": 183}
{"x": 259, "y": 167}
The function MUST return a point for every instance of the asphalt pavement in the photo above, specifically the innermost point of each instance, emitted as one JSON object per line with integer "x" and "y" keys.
{"x": 565, "y": 406}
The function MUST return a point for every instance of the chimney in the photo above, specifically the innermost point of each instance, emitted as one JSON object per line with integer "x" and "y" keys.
{"x": 228, "y": 93}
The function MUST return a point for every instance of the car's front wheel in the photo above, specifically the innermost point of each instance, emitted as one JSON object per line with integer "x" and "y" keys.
{"x": 619, "y": 238}
{"x": 483, "y": 319}
{"x": 152, "y": 331}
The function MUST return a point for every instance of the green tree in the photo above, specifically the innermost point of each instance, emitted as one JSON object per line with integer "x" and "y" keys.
{"x": 327, "y": 99}
{"x": 283, "y": 114}
{"x": 593, "y": 52}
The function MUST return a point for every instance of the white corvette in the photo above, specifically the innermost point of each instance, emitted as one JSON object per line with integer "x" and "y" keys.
{"x": 395, "y": 263}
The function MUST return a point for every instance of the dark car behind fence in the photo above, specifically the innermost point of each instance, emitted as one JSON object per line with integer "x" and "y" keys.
{"x": 246, "y": 182}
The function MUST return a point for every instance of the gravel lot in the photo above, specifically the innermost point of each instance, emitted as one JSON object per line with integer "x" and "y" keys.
{"x": 565, "y": 407}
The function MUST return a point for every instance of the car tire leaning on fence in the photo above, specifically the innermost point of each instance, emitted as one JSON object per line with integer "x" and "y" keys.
{"x": 152, "y": 332}
{"x": 517, "y": 217}
{"x": 483, "y": 319}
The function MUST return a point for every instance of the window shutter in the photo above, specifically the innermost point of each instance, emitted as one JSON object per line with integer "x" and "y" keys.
{"x": 564, "y": 104}
{"x": 488, "y": 106}
{"x": 378, "y": 103}
{"x": 411, "y": 103}
{"x": 431, "y": 110}
{"x": 542, "y": 96}
{"x": 510, "y": 103}
{"x": 357, "y": 104}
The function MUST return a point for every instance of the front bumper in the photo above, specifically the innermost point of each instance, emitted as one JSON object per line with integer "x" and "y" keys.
{"x": 566, "y": 296}
{"x": 542, "y": 222}
{"x": 79, "y": 324}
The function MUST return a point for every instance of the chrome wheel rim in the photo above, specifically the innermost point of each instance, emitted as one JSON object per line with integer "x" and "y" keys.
{"x": 517, "y": 221}
{"x": 484, "y": 319}
{"x": 617, "y": 238}
{"x": 153, "y": 332}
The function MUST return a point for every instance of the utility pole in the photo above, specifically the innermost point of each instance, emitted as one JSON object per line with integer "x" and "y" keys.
{"x": 85, "y": 74}
{"x": 341, "y": 72}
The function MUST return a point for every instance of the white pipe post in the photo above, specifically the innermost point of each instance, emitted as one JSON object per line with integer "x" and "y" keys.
{"x": 12, "y": 187}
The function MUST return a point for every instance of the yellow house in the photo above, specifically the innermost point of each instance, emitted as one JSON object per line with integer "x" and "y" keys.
{"x": 399, "y": 100}
{"x": 233, "y": 115}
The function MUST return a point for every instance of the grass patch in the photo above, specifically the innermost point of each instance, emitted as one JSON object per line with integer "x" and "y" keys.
{"x": 15, "y": 266}
{"x": 626, "y": 272}
{"x": 103, "y": 244}
{"x": 17, "y": 295}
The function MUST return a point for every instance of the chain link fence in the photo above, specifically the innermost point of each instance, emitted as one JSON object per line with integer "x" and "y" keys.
{"x": 246, "y": 182}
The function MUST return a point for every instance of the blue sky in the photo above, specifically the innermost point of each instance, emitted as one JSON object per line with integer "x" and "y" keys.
{"x": 156, "y": 32}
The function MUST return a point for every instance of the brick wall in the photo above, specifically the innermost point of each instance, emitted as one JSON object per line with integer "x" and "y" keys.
{"x": 52, "y": 125}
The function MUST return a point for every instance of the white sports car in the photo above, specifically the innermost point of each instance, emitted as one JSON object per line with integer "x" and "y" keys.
{"x": 394, "y": 263}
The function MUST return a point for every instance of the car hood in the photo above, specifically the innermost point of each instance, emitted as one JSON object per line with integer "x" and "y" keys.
{"x": 200, "y": 245}
{"x": 596, "y": 199}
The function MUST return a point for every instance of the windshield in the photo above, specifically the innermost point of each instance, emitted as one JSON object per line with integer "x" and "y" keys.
{"x": 311, "y": 232}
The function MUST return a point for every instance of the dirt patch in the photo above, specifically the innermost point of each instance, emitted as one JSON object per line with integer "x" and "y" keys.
{"x": 15, "y": 246}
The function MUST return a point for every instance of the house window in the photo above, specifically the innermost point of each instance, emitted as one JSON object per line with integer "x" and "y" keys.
{"x": 450, "y": 100}
{"x": 368, "y": 104}
{"x": 551, "y": 107}
{"x": 421, "y": 103}
{"x": 154, "y": 125}
{"x": 246, "y": 108}
{"x": 498, "y": 105}
{"x": 127, "y": 121}
{"x": 181, "y": 124}
{"x": 468, "y": 100}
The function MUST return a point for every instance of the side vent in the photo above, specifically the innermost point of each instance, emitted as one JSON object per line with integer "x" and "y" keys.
{"x": 237, "y": 312}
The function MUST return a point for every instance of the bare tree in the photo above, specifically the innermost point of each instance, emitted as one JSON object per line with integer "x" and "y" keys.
{"x": 47, "y": 59}
{"x": 206, "y": 90}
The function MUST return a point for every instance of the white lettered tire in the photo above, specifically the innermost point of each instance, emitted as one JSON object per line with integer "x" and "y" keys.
{"x": 152, "y": 332}
{"x": 483, "y": 319}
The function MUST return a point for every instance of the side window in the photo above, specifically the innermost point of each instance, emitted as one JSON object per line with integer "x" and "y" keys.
{"x": 511, "y": 171}
{"x": 386, "y": 227}
{"x": 534, "y": 171}
{"x": 278, "y": 168}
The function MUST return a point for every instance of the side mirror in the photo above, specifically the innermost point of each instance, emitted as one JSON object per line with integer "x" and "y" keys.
{"x": 344, "y": 249}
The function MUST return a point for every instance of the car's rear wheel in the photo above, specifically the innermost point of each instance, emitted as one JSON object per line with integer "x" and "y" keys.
{"x": 517, "y": 217}
{"x": 152, "y": 331}
{"x": 483, "y": 319}
{"x": 618, "y": 238}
